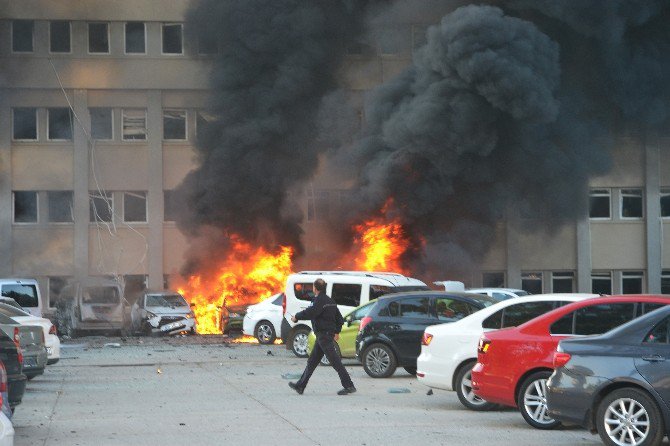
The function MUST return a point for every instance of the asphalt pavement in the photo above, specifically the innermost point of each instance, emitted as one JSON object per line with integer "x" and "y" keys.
{"x": 207, "y": 391}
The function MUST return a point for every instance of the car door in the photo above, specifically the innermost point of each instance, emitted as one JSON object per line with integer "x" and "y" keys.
{"x": 653, "y": 361}
{"x": 349, "y": 331}
{"x": 405, "y": 331}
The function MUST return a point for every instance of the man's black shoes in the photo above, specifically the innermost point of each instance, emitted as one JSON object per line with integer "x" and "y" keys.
{"x": 346, "y": 390}
{"x": 299, "y": 389}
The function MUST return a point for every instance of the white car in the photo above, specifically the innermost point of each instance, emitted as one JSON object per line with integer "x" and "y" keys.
{"x": 6, "y": 431}
{"x": 263, "y": 320}
{"x": 499, "y": 294}
{"x": 449, "y": 351}
{"x": 22, "y": 317}
{"x": 162, "y": 312}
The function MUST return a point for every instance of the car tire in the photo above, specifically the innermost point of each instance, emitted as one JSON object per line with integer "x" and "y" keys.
{"x": 532, "y": 401}
{"x": 265, "y": 332}
{"x": 463, "y": 388}
{"x": 647, "y": 419}
{"x": 410, "y": 370}
{"x": 379, "y": 361}
{"x": 299, "y": 342}
{"x": 324, "y": 360}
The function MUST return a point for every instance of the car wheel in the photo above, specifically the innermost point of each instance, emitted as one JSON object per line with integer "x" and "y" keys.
{"x": 324, "y": 360}
{"x": 379, "y": 361}
{"x": 532, "y": 401}
{"x": 463, "y": 387}
{"x": 299, "y": 342}
{"x": 629, "y": 417}
{"x": 410, "y": 370}
{"x": 265, "y": 332}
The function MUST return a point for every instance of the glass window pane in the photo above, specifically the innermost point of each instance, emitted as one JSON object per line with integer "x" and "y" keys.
{"x": 101, "y": 207}
{"x": 494, "y": 321}
{"x": 563, "y": 325}
{"x": 59, "y": 36}
{"x": 60, "y": 123}
{"x": 134, "y": 124}
{"x": 346, "y": 294}
{"x": 24, "y": 295}
{"x": 451, "y": 310}
{"x": 531, "y": 282}
{"x": 601, "y": 283}
{"x": 599, "y": 203}
{"x": 25, "y": 207}
{"x": 631, "y": 203}
{"x": 665, "y": 282}
{"x": 665, "y": 204}
{"x": 135, "y": 40}
{"x": 649, "y": 307}
{"x": 172, "y": 41}
{"x": 174, "y": 124}
{"x": 659, "y": 334}
{"x": 562, "y": 282}
{"x": 631, "y": 283}
{"x": 304, "y": 291}
{"x": 61, "y": 209}
{"x": 415, "y": 307}
{"x": 101, "y": 123}
{"x": 98, "y": 38}
{"x": 135, "y": 206}
{"x": 24, "y": 124}
{"x": 22, "y": 36}
{"x": 596, "y": 319}
{"x": 515, "y": 315}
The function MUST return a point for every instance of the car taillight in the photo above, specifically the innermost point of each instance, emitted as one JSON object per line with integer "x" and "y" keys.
{"x": 427, "y": 337}
{"x": 52, "y": 330}
{"x": 484, "y": 345}
{"x": 365, "y": 321}
{"x": 3, "y": 380}
{"x": 283, "y": 304}
{"x": 560, "y": 359}
{"x": 17, "y": 342}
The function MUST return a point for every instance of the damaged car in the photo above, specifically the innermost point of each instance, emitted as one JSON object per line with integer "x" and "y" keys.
{"x": 162, "y": 312}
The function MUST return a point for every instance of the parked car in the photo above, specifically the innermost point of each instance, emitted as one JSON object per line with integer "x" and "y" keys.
{"x": 390, "y": 334}
{"x": 616, "y": 383}
{"x": 346, "y": 344}
{"x": 349, "y": 289}
{"x": 263, "y": 320}
{"x": 92, "y": 304}
{"x": 162, "y": 312}
{"x": 25, "y": 292}
{"x": 6, "y": 427}
{"x": 449, "y": 351}
{"x": 11, "y": 357}
{"x": 499, "y": 293}
{"x": 232, "y": 317}
{"x": 51, "y": 340}
{"x": 513, "y": 364}
{"x": 31, "y": 340}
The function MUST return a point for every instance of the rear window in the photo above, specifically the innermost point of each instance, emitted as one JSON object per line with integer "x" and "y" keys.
{"x": 346, "y": 294}
{"x": 450, "y": 310}
{"x": 515, "y": 315}
{"x": 24, "y": 295}
{"x": 418, "y": 307}
{"x": 594, "y": 319}
{"x": 659, "y": 334}
{"x": 304, "y": 291}
{"x": 278, "y": 300}
{"x": 100, "y": 295}
{"x": 486, "y": 301}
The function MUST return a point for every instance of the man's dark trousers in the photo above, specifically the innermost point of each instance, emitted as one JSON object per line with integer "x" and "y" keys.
{"x": 325, "y": 345}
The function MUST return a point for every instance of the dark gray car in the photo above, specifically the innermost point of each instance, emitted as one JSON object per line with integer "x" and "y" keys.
{"x": 617, "y": 383}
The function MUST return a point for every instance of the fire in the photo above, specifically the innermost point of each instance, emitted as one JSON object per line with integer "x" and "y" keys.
{"x": 247, "y": 276}
{"x": 381, "y": 245}
{"x": 250, "y": 340}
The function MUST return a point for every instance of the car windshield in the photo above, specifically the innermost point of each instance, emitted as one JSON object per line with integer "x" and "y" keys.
{"x": 170, "y": 300}
{"x": 100, "y": 295}
{"x": 9, "y": 310}
{"x": 487, "y": 301}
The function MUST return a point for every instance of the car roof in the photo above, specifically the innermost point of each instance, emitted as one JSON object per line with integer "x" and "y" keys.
{"x": 161, "y": 292}
{"x": 18, "y": 281}
{"x": 509, "y": 290}
{"x": 393, "y": 279}
{"x": 430, "y": 293}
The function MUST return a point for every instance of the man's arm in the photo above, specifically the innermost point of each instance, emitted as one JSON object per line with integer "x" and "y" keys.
{"x": 310, "y": 313}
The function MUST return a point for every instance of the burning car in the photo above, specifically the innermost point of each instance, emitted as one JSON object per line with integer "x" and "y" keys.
{"x": 162, "y": 312}
{"x": 232, "y": 316}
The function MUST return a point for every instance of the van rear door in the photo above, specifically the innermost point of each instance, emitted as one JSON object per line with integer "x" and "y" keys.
{"x": 101, "y": 303}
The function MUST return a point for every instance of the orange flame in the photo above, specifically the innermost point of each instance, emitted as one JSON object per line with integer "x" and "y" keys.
{"x": 381, "y": 246}
{"x": 250, "y": 340}
{"x": 247, "y": 276}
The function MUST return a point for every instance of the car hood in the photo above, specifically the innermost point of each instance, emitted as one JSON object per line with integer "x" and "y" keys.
{"x": 169, "y": 310}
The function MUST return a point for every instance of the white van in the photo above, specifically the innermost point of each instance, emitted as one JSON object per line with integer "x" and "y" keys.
{"x": 349, "y": 289}
{"x": 26, "y": 292}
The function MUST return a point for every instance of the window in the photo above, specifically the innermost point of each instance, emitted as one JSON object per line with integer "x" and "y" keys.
{"x": 169, "y": 206}
{"x": 59, "y": 36}
{"x": 562, "y": 282}
{"x": 61, "y": 208}
{"x": 25, "y": 207}
{"x": 531, "y": 282}
{"x": 564, "y": 325}
{"x": 24, "y": 124}
{"x": 361, "y": 312}
{"x": 135, "y": 207}
{"x": 207, "y": 44}
{"x": 631, "y": 282}
{"x": 203, "y": 126}
{"x": 596, "y": 319}
{"x": 304, "y": 291}
{"x": 419, "y": 36}
{"x": 493, "y": 280}
{"x": 377, "y": 291}
{"x": 451, "y": 310}
{"x": 631, "y": 203}
{"x": 56, "y": 285}
{"x": 172, "y": 39}
{"x": 135, "y": 38}
{"x": 648, "y": 307}
{"x": 59, "y": 124}
{"x": 101, "y": 123}
{"x": 601, "y": 283}
{"x": 599, "y": 203}
{"x": 494, "y": 321}
{"x": 515, "y": 315}
{"x": 665, "y": 203}
{"x": 665, "y": 281}
{"x": 134, "y": 124}
{"x": 174, "y": 124}
{"x": 98, "y": 38}
{"x": 101, "y": 206}
{"x": 22, "y": 36}
{"x": 346, "y": 294}
{"x": 659, "y": 334}
{"x": 415, "y": 307}
{"x": 24, "y": 294}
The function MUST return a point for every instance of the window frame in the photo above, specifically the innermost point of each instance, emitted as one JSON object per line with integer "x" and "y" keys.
{"x": 69, "y": 24}
{"x": 563, "y": 275}
{"x": 109, "y": 197}
{"x": 600, "y": 275}
{"x": 125, "y": 38}
{"x": 632, "y": 275}
{"x": 181, "y": 46}
{"x": 49, "y": 124}
{"x": 526, "y": 275}
{"x": 32, "y": 37}
{"x": 185, "y": 111}
{"x": 601, "y": 192}
{"x": 146, "y": 207}
{"x": 71, "y": 222}
{"x": 37, "y": 208}
{"x": 628, "y": 193}
{"x": 37, "y": 124}
{"x": 123, "y": 126}
{"x": 88, "y": 38}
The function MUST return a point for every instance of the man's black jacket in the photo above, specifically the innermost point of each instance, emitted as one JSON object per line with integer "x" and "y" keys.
{"x": 323, "y": 313}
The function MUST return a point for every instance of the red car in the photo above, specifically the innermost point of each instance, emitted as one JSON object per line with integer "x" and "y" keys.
{"x": 513, "y": 364}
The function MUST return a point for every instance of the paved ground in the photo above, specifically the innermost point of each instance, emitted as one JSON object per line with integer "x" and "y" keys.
{"x": 205, "y": 391}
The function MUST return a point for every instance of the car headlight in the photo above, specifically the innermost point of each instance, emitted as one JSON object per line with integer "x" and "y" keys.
{"x": 190, "y": 315}
{"x": 150, "y": 315}
{"x": 234, "y": 315}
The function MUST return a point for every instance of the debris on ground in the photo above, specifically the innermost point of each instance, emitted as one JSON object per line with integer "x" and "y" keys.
{"x": 291, "y": 375}
{"x": 430, "y": 392}
{"x": 112, "y": 344}
{"x": 269, "y": 353}
{"x": 159, "y": 371}
{"x": 398, "y": 390}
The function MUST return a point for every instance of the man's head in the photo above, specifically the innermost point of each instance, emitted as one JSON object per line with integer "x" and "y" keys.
{"x": 320, "y": 285}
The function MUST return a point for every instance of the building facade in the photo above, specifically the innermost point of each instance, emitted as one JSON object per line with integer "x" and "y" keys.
{"x": 99, "y": 109}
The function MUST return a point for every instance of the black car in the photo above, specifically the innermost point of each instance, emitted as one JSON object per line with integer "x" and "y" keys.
{"x": 16, "y": 380}
{"x": 390, "y": 335}
{"x": 618, "y": 383}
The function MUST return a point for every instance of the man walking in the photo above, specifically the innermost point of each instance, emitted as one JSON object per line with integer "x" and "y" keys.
{"x": 326, "y": 323}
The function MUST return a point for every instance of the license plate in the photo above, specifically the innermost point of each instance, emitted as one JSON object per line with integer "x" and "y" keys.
{"x": 29, "y": 362}
{"x": 171, "y": 326}
{"x": 49, "y": 350}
